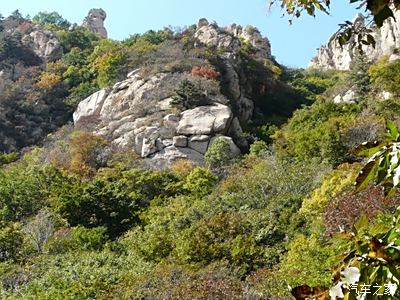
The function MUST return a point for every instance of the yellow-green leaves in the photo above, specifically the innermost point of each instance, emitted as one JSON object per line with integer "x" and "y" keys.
{"x": 383, "y": 166}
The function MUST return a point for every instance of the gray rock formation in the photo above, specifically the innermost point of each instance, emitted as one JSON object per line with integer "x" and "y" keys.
{"x": 137, "y": 114}
{"x": 90, "y": 107}
{"x": 3, "y": 80}
{"x": 332, "y": 56}
{"x": 44, "y": 43}
{"x": 95, "y": 22}
{"x": 347, "y": 97}
{"x": 130, "y": 116}
{"x": 211, "y": 35}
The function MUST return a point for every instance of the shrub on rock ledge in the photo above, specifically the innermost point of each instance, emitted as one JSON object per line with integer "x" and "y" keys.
{"x": 188, "y": 95}
{"x": 205, "y": 72}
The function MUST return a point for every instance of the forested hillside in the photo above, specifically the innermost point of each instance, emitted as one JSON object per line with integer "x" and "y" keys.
{"x": 84, "y": 216}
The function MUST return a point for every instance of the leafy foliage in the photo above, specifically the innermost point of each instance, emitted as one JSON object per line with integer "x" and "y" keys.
{"x": 312, "y": 83}
{"x": 383, "y": 164}
{"x": 205, "y": 72}
{"x": 373, "y": 255}
{"x": 315, "y": 132}
{"x": 218, "y": 154}
{"x": 53, "y": 18}
{"x": 384, "y": 76}
{"x": 188, "y": 95}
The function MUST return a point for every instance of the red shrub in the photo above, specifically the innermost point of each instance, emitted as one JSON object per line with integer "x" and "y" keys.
{"x": 205, "y": 72}
{"x": 346, "y": 209}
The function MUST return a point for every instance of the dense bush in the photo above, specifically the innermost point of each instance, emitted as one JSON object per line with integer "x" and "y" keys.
{"x": 6, "y": 158}
{"x": 218, "y": 154}
{"x": 319, "y": 132}
{"x": 312, "y": 83}
{"x": 53, "y": 18}
{"x": 77, "y": 238}
{"x": 205, "y": 72}
{"x": 310, "y": 261}
{"x": 385, "y": 75}
{"x": 11, "y": 240}
{"x": 346, "y": 209}
{"x": 22, "y": 192}
{"x": 188, "y": 95}
{"x": 112, "y": 199}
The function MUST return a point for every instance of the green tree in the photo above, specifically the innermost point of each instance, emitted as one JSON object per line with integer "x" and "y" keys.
{"x": 79, "y": 37}
{"x": 21, "y": 192}
{"x": 109, "y": 62}
{"x": 113, "y": 199}
{"x": 16, "y": 15}
{"x": 6, "y": 158}
{"x": 151, "y": 36}
{"x": 359, "y": 76}
{"x": 200, "y": 181}
{"x": 52, "y": 18}
{"x": 77, "y": 238}
{"x": 373, "y": 257}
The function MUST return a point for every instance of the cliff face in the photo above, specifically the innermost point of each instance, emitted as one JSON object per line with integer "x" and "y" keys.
{"x": 139, "y": 112}
{"x": 332, "y": 56}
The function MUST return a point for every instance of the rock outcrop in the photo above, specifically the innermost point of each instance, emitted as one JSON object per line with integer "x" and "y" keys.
{"x": 347, "y": 97}
{"x": 134, "y": 115}
{"x": 44, "y": 43}
{"x": 211, "y": 35}
{"x": 95, "y": 22}
{"x": 332, "y": 56}
{"x": 138, "y": 113}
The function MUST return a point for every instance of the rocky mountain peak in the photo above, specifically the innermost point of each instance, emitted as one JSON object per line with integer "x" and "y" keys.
{"x": 95, "y": 21}
{"x": 333, "y": 56}
{"x": 228, "y": 37}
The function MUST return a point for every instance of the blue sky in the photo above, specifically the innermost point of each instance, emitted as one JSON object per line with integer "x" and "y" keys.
{"x": 292, "y": 45}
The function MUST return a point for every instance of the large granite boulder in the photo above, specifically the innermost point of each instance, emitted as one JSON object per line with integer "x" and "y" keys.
{"x": 205, "y": 120}
{"x": 90, "y": 107}
{"x": 347, "y": 97}
{"x": 211, "y": 36}
{"x": 168, "y": 155}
